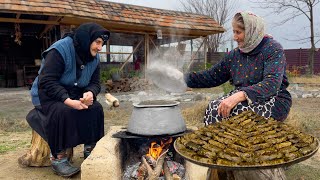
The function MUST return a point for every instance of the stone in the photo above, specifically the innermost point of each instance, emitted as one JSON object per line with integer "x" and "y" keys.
{"x": 307, "y": 95}
{"x": 104, "y": 161}
{"x": 294, "y": 95}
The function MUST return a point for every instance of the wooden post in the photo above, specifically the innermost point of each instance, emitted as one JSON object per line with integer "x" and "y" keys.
{"x": 146, "y": 54}
{"x": 205, "y": 50}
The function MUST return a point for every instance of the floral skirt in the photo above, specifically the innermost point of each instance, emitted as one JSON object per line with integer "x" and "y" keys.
{"x": 277, "y": 107}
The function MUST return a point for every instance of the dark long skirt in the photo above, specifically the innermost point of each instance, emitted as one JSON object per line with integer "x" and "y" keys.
{"x": 65, "y": 127}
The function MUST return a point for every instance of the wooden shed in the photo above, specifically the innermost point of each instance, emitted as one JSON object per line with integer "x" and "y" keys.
{"x": 27, "y": 27}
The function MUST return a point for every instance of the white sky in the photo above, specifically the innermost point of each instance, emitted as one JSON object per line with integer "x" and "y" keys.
{"x": 299, "y": 28}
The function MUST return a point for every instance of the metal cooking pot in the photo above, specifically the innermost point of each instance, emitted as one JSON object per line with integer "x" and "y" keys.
{"x": 150, "y": 118}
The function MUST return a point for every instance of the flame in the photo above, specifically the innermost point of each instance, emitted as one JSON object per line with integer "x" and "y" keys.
{"x": 155, "y": 149}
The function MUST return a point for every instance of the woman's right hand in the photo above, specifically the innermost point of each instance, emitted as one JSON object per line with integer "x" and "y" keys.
{"x": 75, "y": 104}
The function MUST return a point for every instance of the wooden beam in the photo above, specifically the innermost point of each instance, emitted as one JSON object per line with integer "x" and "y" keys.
{"x": 146, "y": 54}
{"x": 115, "y": 26}
{"x": 135, "y": 49}
{"x": 194, "y": 55}
{"x": 13, "y": 20}
{"x": 118, "y": 53}
{"x": 155, "y": 46}
{"x": 49, "y": 26}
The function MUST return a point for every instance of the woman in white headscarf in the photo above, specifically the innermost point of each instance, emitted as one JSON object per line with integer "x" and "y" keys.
{"x": 256, "y": 68}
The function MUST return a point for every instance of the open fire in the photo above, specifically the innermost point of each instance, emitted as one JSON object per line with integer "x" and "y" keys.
{"x": 155, "y": 149}
{"x": 154, "y": 124}
{"x": 157, "y": 163}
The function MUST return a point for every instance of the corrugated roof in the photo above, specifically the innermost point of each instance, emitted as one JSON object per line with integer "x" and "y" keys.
{"x": 127, "y": 15}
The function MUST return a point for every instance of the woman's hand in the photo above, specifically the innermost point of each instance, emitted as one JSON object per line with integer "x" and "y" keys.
{"x": 75, "y": 104}
{"x": 87, "y": 98}
{"x": 229, "y": 103}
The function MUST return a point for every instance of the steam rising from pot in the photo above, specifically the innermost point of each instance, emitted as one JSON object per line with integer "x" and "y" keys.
{"x": 166, "y": 77}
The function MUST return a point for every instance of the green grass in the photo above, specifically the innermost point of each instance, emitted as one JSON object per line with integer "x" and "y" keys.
{"x": 6, "y": 148}
{"x": 10, "y": 143}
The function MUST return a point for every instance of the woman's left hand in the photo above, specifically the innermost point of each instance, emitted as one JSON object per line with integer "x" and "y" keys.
{"x": 229, "y": 103}
{"x": 87, "y": 98}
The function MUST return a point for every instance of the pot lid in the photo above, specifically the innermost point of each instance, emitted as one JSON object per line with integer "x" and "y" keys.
{"x": 156, "y": 103}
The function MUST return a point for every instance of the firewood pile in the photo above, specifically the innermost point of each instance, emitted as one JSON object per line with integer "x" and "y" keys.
{"x": 127, "y": 84}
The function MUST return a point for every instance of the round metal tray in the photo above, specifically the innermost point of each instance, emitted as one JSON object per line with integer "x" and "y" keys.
{"x": 288, "y": 163}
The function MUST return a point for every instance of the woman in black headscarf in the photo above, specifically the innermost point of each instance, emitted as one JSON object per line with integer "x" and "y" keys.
{"x": 65, "y": 93}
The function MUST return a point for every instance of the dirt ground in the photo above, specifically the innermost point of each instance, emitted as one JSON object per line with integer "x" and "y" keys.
{"x": 15, "y": 134}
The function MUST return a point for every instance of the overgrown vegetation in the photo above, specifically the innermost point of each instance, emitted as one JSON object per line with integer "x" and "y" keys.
{"x": 227, "y": 87}
{"x": 106, "y": 73}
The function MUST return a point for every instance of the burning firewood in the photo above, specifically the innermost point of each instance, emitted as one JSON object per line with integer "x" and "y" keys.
{"x": 155, "y": 173}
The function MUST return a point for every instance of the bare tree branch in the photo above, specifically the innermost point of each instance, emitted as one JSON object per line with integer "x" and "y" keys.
{"x": 293, "y": 9}
{"x": 220, "y": 10}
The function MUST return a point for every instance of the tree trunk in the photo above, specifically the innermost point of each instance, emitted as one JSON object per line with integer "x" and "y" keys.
{"x": 265, "y": 174}
{"x": 39, "y": 153}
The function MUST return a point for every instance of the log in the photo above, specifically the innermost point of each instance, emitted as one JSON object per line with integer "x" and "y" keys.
{"x": 111, "y": 100}
{"x": 167, "y": 172}
{"x": 39, "y": 153}
{"x": 153, "y": 174}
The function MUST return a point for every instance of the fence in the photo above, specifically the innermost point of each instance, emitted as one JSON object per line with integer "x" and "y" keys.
{"x": 297, "y": 60}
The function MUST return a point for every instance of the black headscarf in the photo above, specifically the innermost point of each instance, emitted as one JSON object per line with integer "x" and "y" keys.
{"x": 84, "y": 35}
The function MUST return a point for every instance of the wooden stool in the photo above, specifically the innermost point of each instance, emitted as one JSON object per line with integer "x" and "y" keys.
{"x": 39, "y": 153}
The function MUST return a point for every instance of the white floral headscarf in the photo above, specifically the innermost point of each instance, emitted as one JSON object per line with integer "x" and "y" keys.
{"x": 254, "y": 31}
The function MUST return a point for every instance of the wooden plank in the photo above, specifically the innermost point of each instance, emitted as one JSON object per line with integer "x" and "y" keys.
{"x": 13, "y": 20}
{"x": 116, "y": 26}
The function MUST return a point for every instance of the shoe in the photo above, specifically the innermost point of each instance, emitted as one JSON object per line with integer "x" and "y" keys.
{"x": 87, "y": 150}
{"x": 62, "y": 167}
{"x": 86, "y": 154}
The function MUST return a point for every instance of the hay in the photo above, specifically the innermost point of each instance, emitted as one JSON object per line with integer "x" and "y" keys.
{"x": 194, "y": 115}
